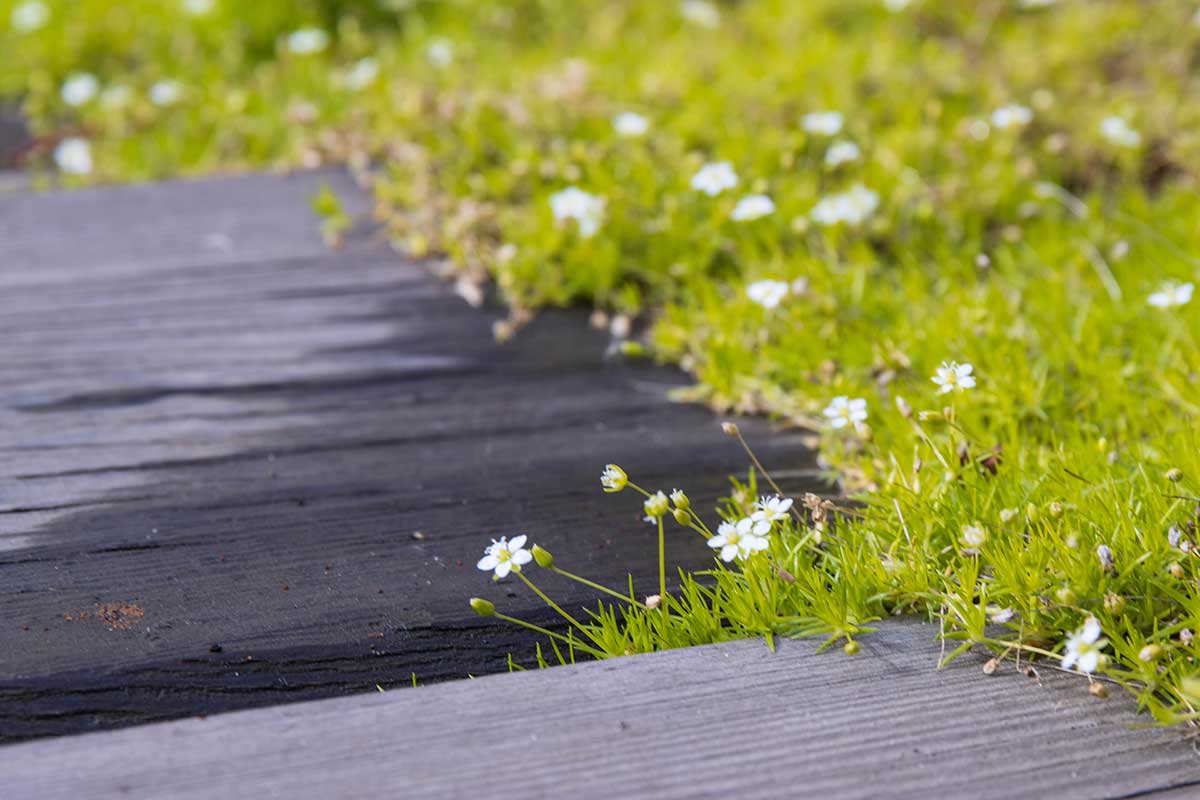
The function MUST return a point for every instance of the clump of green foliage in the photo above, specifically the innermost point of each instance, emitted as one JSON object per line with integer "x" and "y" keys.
{"x": 1022, "y": 182}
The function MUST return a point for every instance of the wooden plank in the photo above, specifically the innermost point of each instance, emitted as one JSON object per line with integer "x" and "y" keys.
{"x": 220, "y": 440}
{"x": 728, "y": 720}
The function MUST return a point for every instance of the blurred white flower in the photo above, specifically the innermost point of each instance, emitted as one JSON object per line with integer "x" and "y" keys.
{"x": 503, "y": 556}
{"x": 751, "y": 207}
{"x": 951, "y": 375}
{"x": 851, "y": 207}
{"x": 973, "y": 536}
{"x": 896, "y": 5}
{"x": 700, "y": 12}
{"x": 198, "y": 8}
{"x": 822, "y": 123}
{"x": 1171, "y": 294}
{"x": 841, "y": 152}
{"x": 1036, "y": 3}
{"x": 28, "y": 17}
{"x": 1083, "y": 647}
{"x": 572, "y": 203}
{"x": 440, "y": 52}
{"x": 844, "y": 411}
{"x": 630, "y": 124}
{"x": 73, "y": 156}
{"x": 307, "y": 41}
{"x": 363, "y": 73}
{"x": 714, "y": 178}
{"x": 79, "y": 88}
{"x": 772, "y": 509}
{"x": 740, "y": 539}
{"x": 165, "y": 93}
{"x": 1118, "y": 131}
{"x": 767, "y": 294}
{"x": 1013, "y": 115}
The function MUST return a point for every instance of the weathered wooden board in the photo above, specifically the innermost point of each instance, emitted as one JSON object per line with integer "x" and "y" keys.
{"x": 219, "y": 440}
{"x": 721, "y": 721}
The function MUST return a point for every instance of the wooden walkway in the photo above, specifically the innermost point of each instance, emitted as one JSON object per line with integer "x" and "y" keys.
{"x": 239, "y": 469}
{"x": 722, "y": 721}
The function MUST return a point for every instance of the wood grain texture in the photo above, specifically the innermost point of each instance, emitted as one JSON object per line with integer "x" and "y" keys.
{"x": 729, "y": 720}
{"x": 219, "y": 439}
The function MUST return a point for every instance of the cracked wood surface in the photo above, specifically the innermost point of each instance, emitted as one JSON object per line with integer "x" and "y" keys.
{"x": 240, "y": 469}
{"x": 728, "y": 720}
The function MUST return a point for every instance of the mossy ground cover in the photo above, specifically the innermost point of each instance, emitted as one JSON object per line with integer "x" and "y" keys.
{"x": 815, "y": 208}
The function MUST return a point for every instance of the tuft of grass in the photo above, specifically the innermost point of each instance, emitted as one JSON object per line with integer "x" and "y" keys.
{"x": 1034, "y": 175}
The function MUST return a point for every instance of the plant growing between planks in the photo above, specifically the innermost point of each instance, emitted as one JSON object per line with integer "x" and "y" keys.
{"x": 956, "y": 242}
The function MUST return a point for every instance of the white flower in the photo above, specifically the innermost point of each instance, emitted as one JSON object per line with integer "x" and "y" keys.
{"x": 74, "y": 156}
{"x": 1013, "y": 115}
{"x": 1105, "y": 554}
{"x": 851, "y": 207}
{"x": 1118, "y": 131}
{"x": 843, "y": 411}
{"x": 822, "y": 123}
{"x": 700, "y": 12}
{"x": 656, "y": 506}
{"x": 951, "y": 375}
{"x": 740, "y": 539}
{"x": 751, "y": 207}
{"x": 771, "y": 509}
{"x": 573, "y": 203}
{"x": 973, "y": 536}
{"x": 1083, "y": 647}
{"x": 630, "y": 124}
{"x": 79, "y": 88}
{"x": 198, "y": 8}
{"x": 363, "y": 73}
{"x": 841, "y": 152}
{"x": 165, "y": 93}
{"x": 440, "y": 52}
{"x": 504, "y": 556}
{"x": 307, "y": 41}
{"x": 1171, "y": 294}
{"x": 28, "y": 17}
{"x": 714, "y": 178}
{"x": 613, "y": 479}
{"x": 767, "y": 294}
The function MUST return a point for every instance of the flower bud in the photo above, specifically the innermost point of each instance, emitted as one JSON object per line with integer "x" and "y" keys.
{"x": 730, "y": 428}
{"x": 1175, "y": 475}
{"x": 1065, "y": 596}
{"x": 851, "y": 647}
{"x": 680, "y": 500}
{"x": 1031, "y": 513}
{"x": 1098, "y": 690}
{"x": 542, "y": 556}
{"x": 653, "y": 601}
{"x": 1055, "y": 509}
{"x": 1150, "y": 653}
{"x": 1114, "y": 603}
{"x": 1007, "y": 515}
{"x": 656, "y": 505}
{"x": 1185, "y": 637}
{"x": 682, "y": 517}
{"x": 1175, "y": 569}
{"x": 1105, "y": 554}
{"x": 483, "y": 608}
{"x": 613, "y": 479}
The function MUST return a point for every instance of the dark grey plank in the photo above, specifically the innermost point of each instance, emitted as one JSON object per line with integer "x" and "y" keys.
{"x": 728, "y": 720}
{"x": 216, "y": 432}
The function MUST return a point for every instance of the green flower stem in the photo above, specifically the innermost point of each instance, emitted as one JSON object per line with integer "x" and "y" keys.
{"x": 591, "y": 651}
{"x": 592, "y": 584}
{"x": 549, "y": 602}
{"x": 662, "y": 571}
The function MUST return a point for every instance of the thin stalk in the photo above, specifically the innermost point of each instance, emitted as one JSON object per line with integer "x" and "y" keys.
{"x": 662, "y": 572}
{"x": 592, "y": 584}
{"x": 546, "y": 632}
{"x": 550, "y": 602}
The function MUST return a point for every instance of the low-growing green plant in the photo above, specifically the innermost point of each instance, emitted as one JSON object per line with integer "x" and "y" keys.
{"x": 956, "y": 242}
